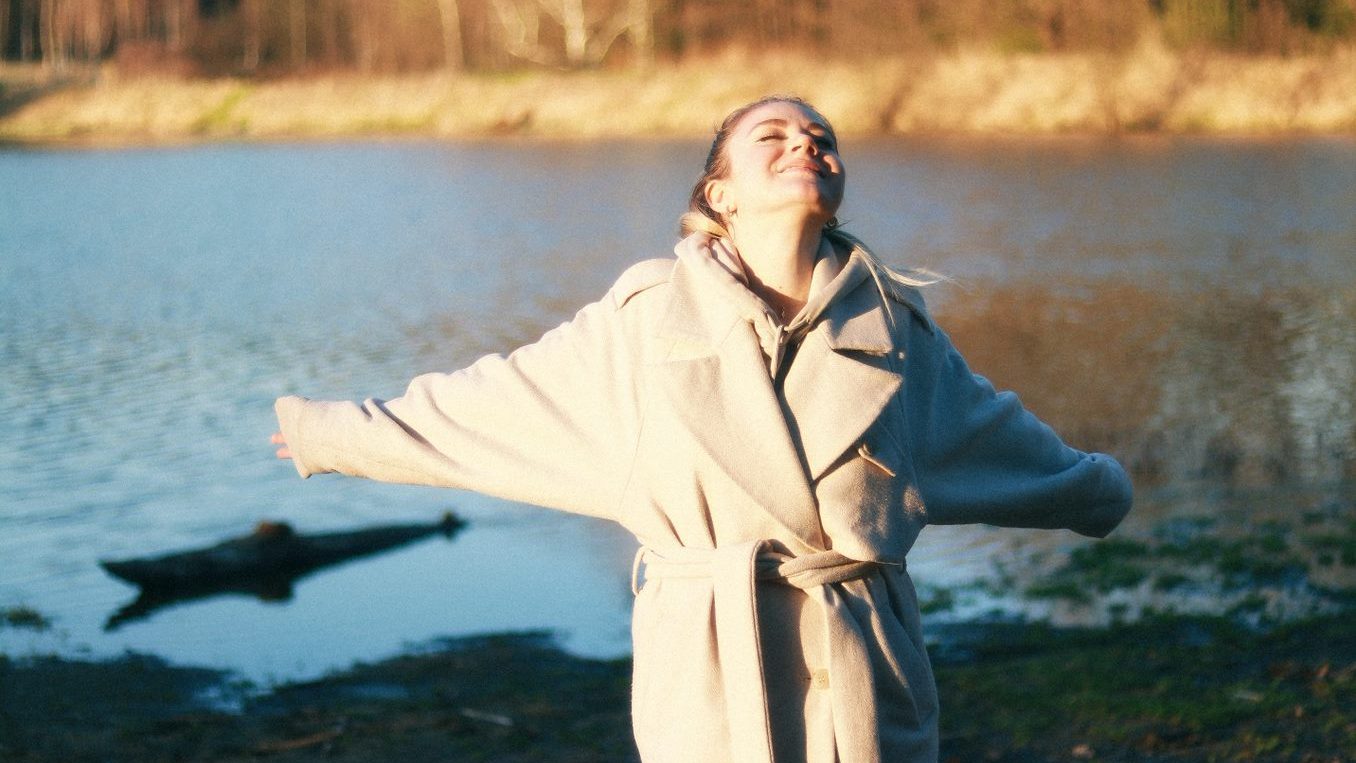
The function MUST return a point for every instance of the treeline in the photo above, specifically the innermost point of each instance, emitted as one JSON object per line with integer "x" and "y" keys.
{"x": 279, "y": 37}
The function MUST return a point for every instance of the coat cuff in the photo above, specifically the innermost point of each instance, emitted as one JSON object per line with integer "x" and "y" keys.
{"x": 1114, "y": 498}
{"x": 290, "y": 411}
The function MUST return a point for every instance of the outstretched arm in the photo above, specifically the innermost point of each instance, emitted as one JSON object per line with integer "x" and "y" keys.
{"x": 982, "y": 457}
{"x": 554, "y": 423}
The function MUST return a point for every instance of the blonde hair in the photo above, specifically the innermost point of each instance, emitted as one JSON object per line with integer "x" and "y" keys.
{"x": 701, "y": 218}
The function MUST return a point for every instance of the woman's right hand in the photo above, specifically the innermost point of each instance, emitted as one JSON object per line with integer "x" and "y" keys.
{"x": 283, "y": 451}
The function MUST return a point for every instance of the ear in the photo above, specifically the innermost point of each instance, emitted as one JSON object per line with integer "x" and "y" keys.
{"x": 719, "y": 197}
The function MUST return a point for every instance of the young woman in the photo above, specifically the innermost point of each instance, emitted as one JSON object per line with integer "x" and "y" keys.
{"x": 775, "y": 416}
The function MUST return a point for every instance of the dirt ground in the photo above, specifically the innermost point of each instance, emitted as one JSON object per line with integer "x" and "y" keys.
{"x": 1169, "y": 690}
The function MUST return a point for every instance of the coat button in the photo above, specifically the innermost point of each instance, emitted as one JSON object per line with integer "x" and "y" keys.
{"x": 819, "y": 679}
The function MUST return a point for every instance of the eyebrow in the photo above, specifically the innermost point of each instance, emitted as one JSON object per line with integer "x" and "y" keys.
{"x": 779, "y": 122}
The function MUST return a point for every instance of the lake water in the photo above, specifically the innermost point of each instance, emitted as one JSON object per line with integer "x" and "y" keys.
{"x": 1185, "y": 304}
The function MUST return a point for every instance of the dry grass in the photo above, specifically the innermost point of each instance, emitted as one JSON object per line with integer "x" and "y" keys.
{"x": 1149, "y": 88}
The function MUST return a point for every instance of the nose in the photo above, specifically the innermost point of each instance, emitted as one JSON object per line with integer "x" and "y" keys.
{"x": 805, "y": 142}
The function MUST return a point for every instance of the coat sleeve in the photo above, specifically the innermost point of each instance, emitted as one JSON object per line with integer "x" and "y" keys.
{"x": 552, "y": 424}
{"x": 980, "y": 456}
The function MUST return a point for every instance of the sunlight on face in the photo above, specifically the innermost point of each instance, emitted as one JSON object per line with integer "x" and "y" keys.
{"x": 783, "y": 159}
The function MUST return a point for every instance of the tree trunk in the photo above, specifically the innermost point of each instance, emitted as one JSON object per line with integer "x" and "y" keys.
{"x": 364, "y": 37}
{"x": 640, "y": 29}
{"x": 576, "y": 31}
{"x": 52, "y": 53}
{"x": 174, "y": 25}
{"x": 518, "y": 31}
{"x": 331, "y": 52}
{"x": 454, "y": 59}
{"x": 25, "y": 30}
{"x": 252, "y": 16}
{"x": 297, "y": 33}
{"x": 122, "y": 22}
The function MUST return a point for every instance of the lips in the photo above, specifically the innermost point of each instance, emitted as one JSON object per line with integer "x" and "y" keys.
{"x": 816, "y": 169}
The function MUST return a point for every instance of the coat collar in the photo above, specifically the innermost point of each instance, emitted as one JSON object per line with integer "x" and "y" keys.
{"x": 708, "y": 298}
{"x": 774, "y": 446}
{"x": 716, "y": 380}
{"x": 842, "y": 377}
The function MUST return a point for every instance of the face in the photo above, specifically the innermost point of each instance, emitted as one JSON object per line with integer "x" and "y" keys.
{"x": 782, "y": 157}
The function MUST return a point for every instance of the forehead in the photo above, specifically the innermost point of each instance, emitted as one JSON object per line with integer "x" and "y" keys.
{"x": 785, "y": 111}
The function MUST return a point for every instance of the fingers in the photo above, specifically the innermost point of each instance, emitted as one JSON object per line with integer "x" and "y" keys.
{"x": 277, "y": 439}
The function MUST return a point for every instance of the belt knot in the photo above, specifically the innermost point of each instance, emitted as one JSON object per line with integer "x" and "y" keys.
{"x": 734, "y": 572}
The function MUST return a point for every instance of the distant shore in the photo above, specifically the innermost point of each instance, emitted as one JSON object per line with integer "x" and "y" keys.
{"x": 1150, "y": 89}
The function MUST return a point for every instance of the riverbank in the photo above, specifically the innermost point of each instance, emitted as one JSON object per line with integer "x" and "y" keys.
{"x": 1173, "y": 689}
{"x": 1150, "y": 88}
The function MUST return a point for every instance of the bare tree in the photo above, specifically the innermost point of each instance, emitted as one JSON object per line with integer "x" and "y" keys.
{"x": 589, "y": 36}
{"x": 450, "y": 15}
{"x": 570, "y": 14}
{"x": 364, "y": 33}
{"x": 329, "y": 18}
{"x": 252, "y": 14}
{"x": 373, "y": 35}
{"x": 28, "y": 48}
{"x": 181, "y": 16}
{"x": 122, "y": 20}
{"x": 640, "y": 29}
{"x": 52, "y": 53}
{"x": 296, "y": 33}
{"x": 519, "y": 28}
{"x": 589, "y": 31}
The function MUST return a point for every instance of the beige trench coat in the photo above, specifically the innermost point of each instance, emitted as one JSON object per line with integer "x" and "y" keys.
{"x": 776, "y": 618}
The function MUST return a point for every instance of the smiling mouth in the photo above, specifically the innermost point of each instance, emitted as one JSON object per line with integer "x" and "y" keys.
{"x": 802, "y": 166}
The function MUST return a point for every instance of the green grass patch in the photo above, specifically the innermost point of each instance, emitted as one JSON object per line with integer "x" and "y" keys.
{"x": 938, "y": 600}
{"x": 1336, "y": 548}
{"x": 1179, "y": 688}
{"x": 220, "y": 119}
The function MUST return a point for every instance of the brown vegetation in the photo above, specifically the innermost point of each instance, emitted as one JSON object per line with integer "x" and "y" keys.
{"x": 1149, "y": 88}
{"x": 206, "y": 69}
{"x": 264, "y": 37}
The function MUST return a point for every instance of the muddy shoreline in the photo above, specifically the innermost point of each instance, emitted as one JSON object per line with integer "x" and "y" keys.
{"x": 1267, "y": 674}
{"x": 1165, "y": 689}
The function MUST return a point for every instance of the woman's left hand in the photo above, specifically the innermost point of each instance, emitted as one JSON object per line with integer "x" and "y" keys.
{"x": 283, "y": 451}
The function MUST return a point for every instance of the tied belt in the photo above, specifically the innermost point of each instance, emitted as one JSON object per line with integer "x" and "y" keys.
{"x": 734, "y": 572}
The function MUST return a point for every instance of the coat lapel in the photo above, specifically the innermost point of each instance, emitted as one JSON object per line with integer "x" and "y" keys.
{"x": 716, "y": 380}
{"x": 841, "y": 379}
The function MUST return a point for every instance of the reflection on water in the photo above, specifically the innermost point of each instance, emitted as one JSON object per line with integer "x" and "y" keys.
{"x": 1185, "y": 305}
{"x": 1250, "y": 388}
{"x": 267, "y": 563}
{"x": 1233, "y": 410}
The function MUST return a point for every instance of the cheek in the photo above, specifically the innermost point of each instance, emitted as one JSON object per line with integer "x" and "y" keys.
{"x": 836, "y": 188}
{"x": 839, "y": 169}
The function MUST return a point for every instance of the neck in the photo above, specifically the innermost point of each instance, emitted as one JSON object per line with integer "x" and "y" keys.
{"x": 780, "y": 260}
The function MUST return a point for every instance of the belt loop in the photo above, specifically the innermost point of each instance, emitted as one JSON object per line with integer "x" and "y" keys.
{"x": 635, "y": 571}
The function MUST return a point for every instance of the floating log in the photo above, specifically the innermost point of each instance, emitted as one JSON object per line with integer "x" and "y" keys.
{"x": 264, "y": 563}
